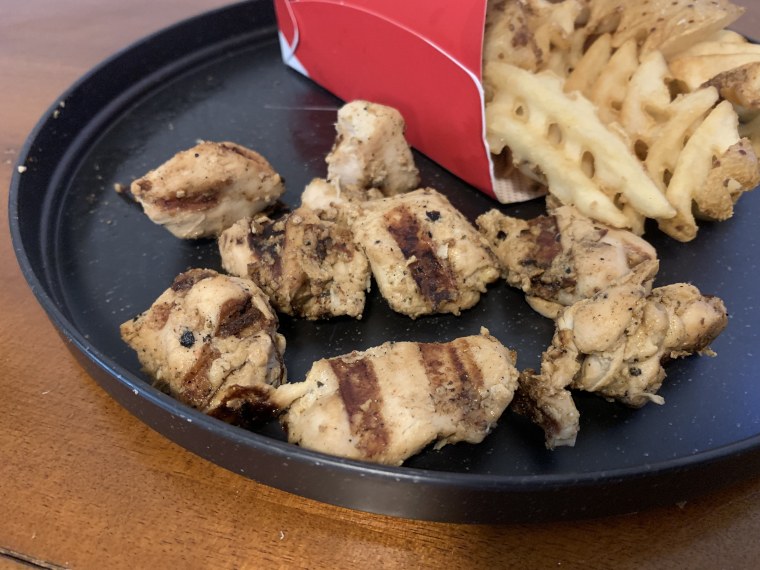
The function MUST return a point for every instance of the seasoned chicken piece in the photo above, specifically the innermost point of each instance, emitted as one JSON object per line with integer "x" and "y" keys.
{"x": 544, "y": 397}
{"x": 322, "y": 195}
{"x": 211, "y": 341}
{"x": 370, "y": 150}
{"x": 674, "y": 321}
{"x": 562, "y": 257}
{"x": 550, "y": 407}
{"x": 425, "y": 256}
{"x": 389, "y": 402}
{"x": 201, "y": 191}
{"x": 307, "y": 265}
{"x": 616, "y": 343}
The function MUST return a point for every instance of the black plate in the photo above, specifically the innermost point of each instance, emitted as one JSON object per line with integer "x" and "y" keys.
{"x": 94, "y": 260}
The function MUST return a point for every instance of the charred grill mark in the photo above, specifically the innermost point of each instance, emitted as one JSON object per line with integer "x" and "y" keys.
{"x": 159, "y": 315}
{"x": 548, "y": 287}
{"x": 547, "y": 244}
{"x": 466, "y": 365}
{"x": 191, "y": 202}
{"x": 359, "y": 389}
{"x": 187, "y": 280}
{"x": 525, "y": 403}
{"x": 195, "y": 388}
{"x": 434, "y": 278}
{"x": 317, "y": 241}
{"x": 236, "y": 315}
{"x": 267, "y": 244}
{"x": 454, "y": 379}
{"x": 545, "y": 290}
{"x": 337, "y": 247}
{"x": 246, "y": 406}
{"x": 342, "y": 244}
{"x": 248, "y": 154}
{"x": 323, "y": 246}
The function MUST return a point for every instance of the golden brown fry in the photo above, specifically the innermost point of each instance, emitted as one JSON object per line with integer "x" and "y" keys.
{"x": 712, "y": 138}
{"x": 647, "y": 83}
{"x": 671, "y": 26}
{"x": 609, "y": 89}
{"x": 740, "y": 85}
{"x": 647, "y": 99}
{"x": 584, "y": 163}
{"x": 590, "y": 66}
{"x": 732, "y": 174}
{"x": 695, "y": 70}
{"x": 667, "y": 140}
{"x": 534, "y": 34}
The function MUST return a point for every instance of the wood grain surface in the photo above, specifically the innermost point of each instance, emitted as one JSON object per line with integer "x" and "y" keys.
{"x": 83, "y": 484}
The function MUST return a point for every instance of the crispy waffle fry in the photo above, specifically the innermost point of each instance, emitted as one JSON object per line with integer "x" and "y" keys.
{"x": 665, "y": 143}
{"x": 584, "y": 163}
{"x": 671, "y": 26}
{"x": 508, "y": 36}
{"x": 712, "y": 139}
{"x": 727, "y": 36}
{"x": 717, "y": 55}
{"x": 532, "y": 34}
{"x": 590, "y": 66}
{"x": 741, "y": 86}
{"x": 647, "y": 98}
{"x": 720, "y": 45}
{"x": 731, "y": 175}
{"x": 608, "y": 91}
{"x": 695, "y": 70}
{"x": 637, "y": 121}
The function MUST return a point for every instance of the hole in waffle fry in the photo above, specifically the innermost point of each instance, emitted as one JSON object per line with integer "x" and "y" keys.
{"x": 521, "y": 112}
{"x": 554, "y": 135}
{"x": 666, "y": 176}
{"x": 587, "y": 164}
{"x": 675, "y": 88}
{"x": 641, "y": 149}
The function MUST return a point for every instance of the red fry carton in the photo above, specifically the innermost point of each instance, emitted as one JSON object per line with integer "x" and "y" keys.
{"x": 422, "y": 57}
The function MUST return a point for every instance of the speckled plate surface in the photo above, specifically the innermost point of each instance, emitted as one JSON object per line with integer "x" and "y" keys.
{"x": 94, "y": 260}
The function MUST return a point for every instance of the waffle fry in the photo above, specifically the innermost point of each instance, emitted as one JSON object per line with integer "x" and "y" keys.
{"x": 640, "y": 116}
{"x": 533, "y": 34}
{"x": 590, "y": 66}
{"x": 714, "y": 136}
{"x": 730, "y": 176}
{"x": 647, "y": 98}
{"x": 665, "y": 142}
{"x": 726, "y": 43}
{"x": 670, "y": 26}
{"x": 695, "y": 70}
{"x": 608, "y": 91}
{"x": 740, "y": 85}
{"x": 583, "y": 162}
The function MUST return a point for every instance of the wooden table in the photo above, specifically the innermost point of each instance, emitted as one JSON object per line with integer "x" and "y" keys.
{"x": 83, "y": 484}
